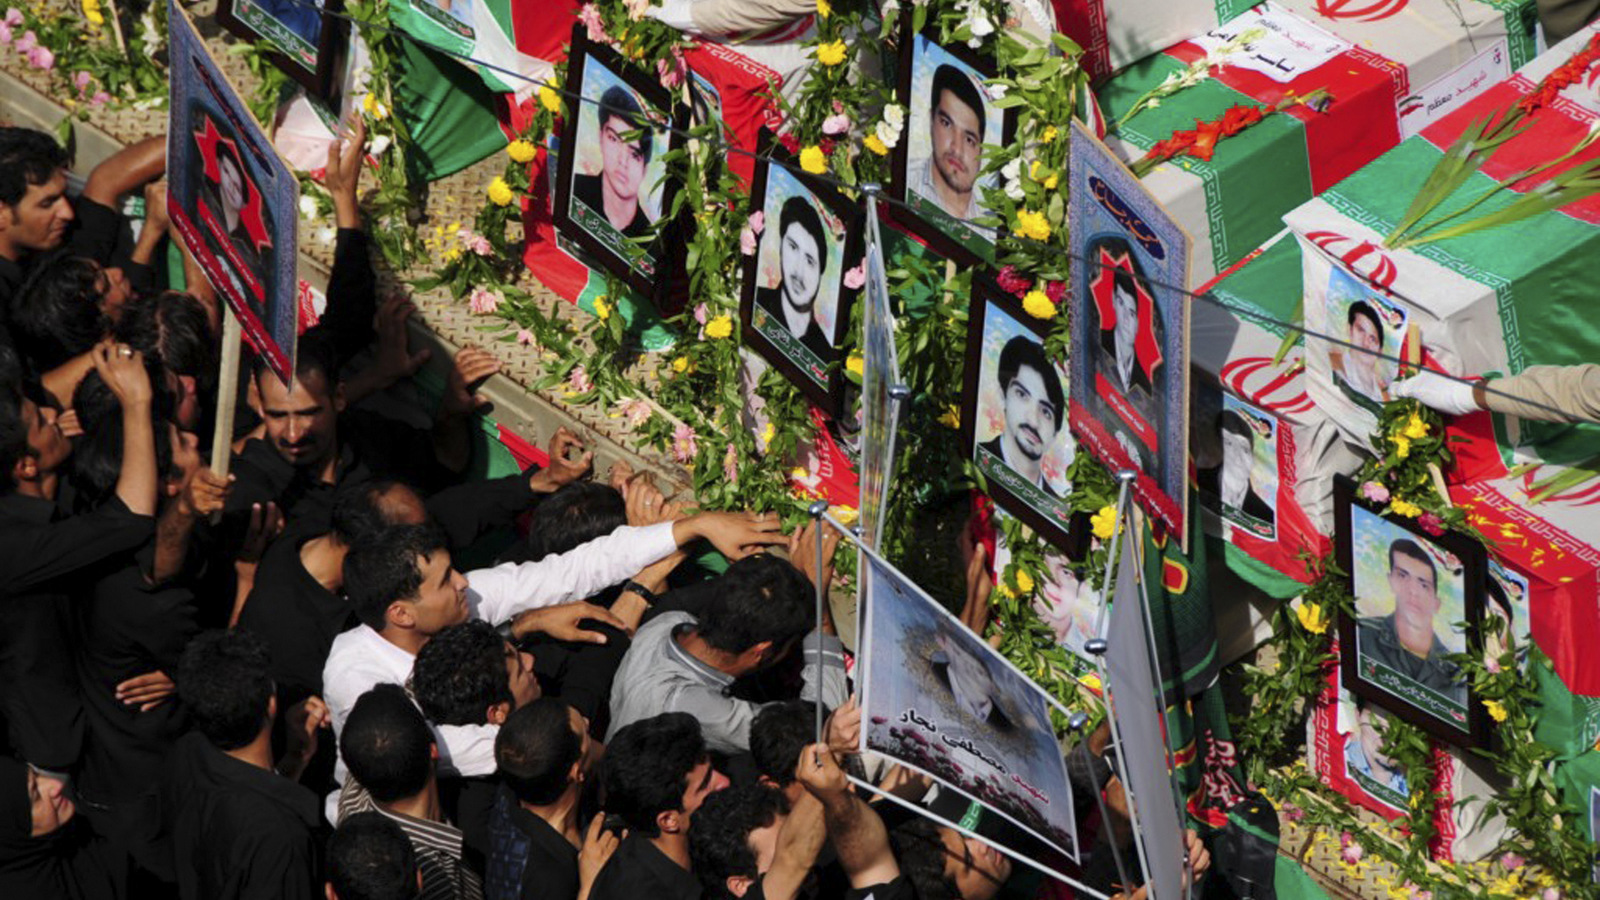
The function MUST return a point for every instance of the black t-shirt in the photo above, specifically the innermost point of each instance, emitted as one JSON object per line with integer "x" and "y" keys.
{"x": 296, "y": 616}
{"x": 898, "y": 889}
{"x": 638, "y": 870}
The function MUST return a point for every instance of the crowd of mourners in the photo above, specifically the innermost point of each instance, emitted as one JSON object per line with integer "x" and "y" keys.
{"x": 350, "y": 668}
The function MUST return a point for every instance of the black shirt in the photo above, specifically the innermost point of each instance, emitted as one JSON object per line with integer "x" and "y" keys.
{"x": 898, "y": 889}
{"x": 587, "y": 189}
{"x": 528, "y": 859}
{"x": 638, "y": 870}
{"x": 45, "y": 553}
{"x": 238, "y": 831}
{"x": 296, "y": 616}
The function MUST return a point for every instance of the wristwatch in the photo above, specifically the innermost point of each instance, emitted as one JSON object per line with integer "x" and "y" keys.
{"x": 649, "y": 596}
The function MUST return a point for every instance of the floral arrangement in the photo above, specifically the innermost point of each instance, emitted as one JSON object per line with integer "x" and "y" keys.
{"x": 1200, "y": 142}
{"x": 86, "y": 54}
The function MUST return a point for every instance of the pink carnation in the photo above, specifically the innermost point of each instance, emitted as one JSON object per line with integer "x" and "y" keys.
{"x": 1055, "y": 290}
{"x": 81, "y": 80}
{"x": 5, "y": 33}
{"x": 671, "y": 76}
{"x": 747, "y": 242}
{"x": 836, "y": 124}
{"x": 730, "y": 465}
{"x": 684, "y": 447}
{"x": 13, "y": 17}
{"x": 635, "y": 412}
{"x": 42, "y": 57}
{"x": 578, "y": 381}
{"x": 1431, "y": 523}
{"x": 589, "y": 15}
{"x": 1511, "y": 861}
{"x": 856, "y": 277}
{"x": 1013, "y": 282}
{"x": 1375, "y": 492}
{"x": 100, "y": 98}
{"x": 525, "y": 337}
{"x": 757, "y": 221}
{"x": 27, "y": 42}
{"x": 482, "y": 302}
{"x": 701, "y": 313}
{"x": 1551, "y": 893}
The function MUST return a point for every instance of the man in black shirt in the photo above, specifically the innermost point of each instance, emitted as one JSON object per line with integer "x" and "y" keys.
{"x": 238, "y": 828}
{"x": 45, "y": 549}
{"x": 657, "y": 773}
{"x": 749, "y": 845}
{"x": 538, "y": 850}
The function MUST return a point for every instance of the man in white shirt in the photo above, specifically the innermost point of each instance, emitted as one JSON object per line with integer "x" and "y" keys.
{"x": 404, "y": 589}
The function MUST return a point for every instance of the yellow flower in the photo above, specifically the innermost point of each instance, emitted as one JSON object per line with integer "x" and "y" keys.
{"x": 1312, "y": 618}
{"x": 680, "y": 365}
{"x": 500, "y": 192}
{"x": 798, "y": 473}
{"x": 1048, "y": 134}
{"x": 374, "y": 107}
{"x": 1416, "y": 429}
{"x": 1402, "y": 445}
{"x": 521, "y": 151}
{"x": 602, "y": 309}
{"x": 855, "y": 364}
{"x": 1090, "y": 680}
{"x": 1104, "y": 522}
{"x": 1051, "y": 182}
{"x": 1037, "y": 304}
{"x": 876, "y": 146}
{"x": 1032, "y": 225}
{"x": 453, "y": 254}
{"x": 767, "y": 435}
{"x": 91, "y": 11}
{"x": 1024, "y": 582}
{"x": 824, "y": 8}
{"x": 550, "y": 99}
{"x": 1033, "y": 170}
{"x": 813, "y": 160}
{"x": 847, "y": 515}
{"x": 1405, "y": 508}
{"x": 719, "y": 328}
{"x": 830, "y": 54}
{"x": 1005, "y": 591}
{"x": 1497, "y": 710}
{"x": 951, "y": 417}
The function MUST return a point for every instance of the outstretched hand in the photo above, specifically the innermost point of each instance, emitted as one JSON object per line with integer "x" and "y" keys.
{"x": 473, "y": 366}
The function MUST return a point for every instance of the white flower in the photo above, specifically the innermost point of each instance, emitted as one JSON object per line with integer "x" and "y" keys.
{"x": 891, "y": 126}
{"x": 995, "y": 90}
{"x": 1011, "y": 175}
{"x": 980, "y": 24}
{"x": 895, "y": 114}
{"x": 308, "y": 208}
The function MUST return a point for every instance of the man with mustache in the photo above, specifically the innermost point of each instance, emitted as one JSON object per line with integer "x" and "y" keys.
{"x": 1034, "y": 405}
{"x": 803, "y": 260}
{"x": 956, "y": 124}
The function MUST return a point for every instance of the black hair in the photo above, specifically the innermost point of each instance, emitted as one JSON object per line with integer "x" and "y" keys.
{"x": 27, "y": 157}
{"x": 619, "y": 103}
{"x": 920, "y": 851}
{"x": 460, "y": 673}
{"x": 56, "y": 313}
{"x": 949, "y": 78}
{"x": 172, "y": 330}
{"x": 759, "y": 598}
{"x": 1408, "y": 547}
{"x": 1023, "y": 351}
{"x": 572, "y": 516}
{"x": 13, "y": 430}
{"x": 647, "y": 768}
{"x": 96, "y": 462}
{"x": 312, "y": 357}
{"x": 719, "y": 843}
{"x": 223, "y": 681}
{"x": 386, "y": 744}
{"x": 535, "y": 750}
{"x": 1234, "y": 421}
{"x": 777, "y": 735}
{"x": 1363, "y": 308}
{"x": 359, "y": 510}
{"x": 226, "y": 148}
{"x": 386, "y": 566}
{"x": 798, "y": 210}
{"x": 370, "y": 858}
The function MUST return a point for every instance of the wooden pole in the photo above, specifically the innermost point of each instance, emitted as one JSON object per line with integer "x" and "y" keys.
{"x": 227, "y": 392}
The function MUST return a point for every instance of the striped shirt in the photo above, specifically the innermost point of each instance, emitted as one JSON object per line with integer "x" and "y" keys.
{"x": 437, "y": 845}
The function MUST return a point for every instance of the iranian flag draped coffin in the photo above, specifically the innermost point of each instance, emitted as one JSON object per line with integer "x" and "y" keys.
{"x": 1114, "y": 33}
{"x": 1490, "y": 301}
{"x": 1391, "y": 68}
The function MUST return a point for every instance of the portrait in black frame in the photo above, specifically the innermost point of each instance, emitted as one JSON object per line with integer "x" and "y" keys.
{"x": 794, "y": 302}
{"x": 1014, "y": 416}
{"x": 312, "y": 43}
{"x": 615, "y": 214}
{"x": 1419, "y": 597}
{"x": 951, "y": 125}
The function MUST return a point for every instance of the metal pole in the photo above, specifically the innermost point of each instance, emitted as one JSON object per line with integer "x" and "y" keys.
{"x": 817, "y": 510}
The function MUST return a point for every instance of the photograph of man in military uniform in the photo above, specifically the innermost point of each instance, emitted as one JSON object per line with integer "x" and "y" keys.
{"x": 1406, "y": 640}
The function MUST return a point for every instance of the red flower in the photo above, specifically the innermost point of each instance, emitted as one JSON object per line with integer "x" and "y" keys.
{"x": 1206, "y": 137}
{"x": 827, "y": 146}
{"x": 1238, "y": 118}
{"x": 789, "y": 142}
{"x": 1055, "y": 290}
{"x": 1013, "y": 282}
{"x": 1431, "y": 523}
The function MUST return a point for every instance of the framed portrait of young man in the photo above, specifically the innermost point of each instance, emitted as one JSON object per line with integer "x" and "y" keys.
{"x": 613, "y": 190}
{"x": 1014, "y": 414}
{"x": 1419, "y": 599}
{"x": 951, "y": 127}
{"x": 312, "y": 42}
{"x": 795, "y": 303}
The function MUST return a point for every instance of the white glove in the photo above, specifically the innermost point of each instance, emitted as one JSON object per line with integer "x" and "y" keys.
{"x": 1447, "y": 395}
{"x": 675, "y": 13}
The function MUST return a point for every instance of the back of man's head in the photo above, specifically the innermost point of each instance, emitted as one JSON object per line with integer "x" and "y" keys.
{"x": 223, "y": 681}
{"x": 27, "y": 157}
{"x": 647, "y": 768}
{"x": 536, "y": 749}
{"x": 172, "y": 329}
{"x": 920, "y": 851}
{"x": 760, "y": 598}
{"x": 778, "y": 734}
{"x": 364, "y": 508}
{"x": 460, "y": 673}
{"x": 572, "y": 516}
{"x": 56, "y": 313}
{"x": 387, "y": 745}
{"x": 96, "y": 462}
{"x": 13, "y": 429}
{"x": 370, "y": 858}
{"x": 720, "y": 841}
{"x": 386, "y": 566}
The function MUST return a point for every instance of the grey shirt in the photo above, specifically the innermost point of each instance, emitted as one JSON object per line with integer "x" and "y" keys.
{"x": 657, "y": 675}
